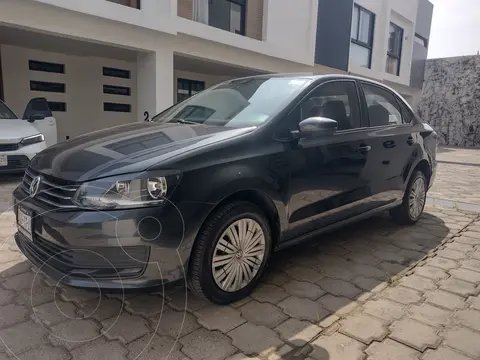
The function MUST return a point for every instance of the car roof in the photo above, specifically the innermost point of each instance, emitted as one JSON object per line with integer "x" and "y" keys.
{"x": 313, "y": 77}
{"x": 317, "y": 78}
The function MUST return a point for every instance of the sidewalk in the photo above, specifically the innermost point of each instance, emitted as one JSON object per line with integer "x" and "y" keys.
{"x": 431, "y": 313}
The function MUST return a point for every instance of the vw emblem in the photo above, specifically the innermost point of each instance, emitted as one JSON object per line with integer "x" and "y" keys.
{"x": 35, "y": 185}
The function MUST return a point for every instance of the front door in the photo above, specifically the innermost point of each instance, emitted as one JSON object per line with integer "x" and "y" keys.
{"x": 328, "y": 182}
{"x": 46, "y": 126}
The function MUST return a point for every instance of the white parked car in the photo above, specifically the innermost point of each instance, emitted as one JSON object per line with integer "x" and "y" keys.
{"x": 22, "y": 138}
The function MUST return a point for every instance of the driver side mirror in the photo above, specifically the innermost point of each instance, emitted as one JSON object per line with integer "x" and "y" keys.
{"x": 315, "y": 127}
{"x": 35, "y": 117}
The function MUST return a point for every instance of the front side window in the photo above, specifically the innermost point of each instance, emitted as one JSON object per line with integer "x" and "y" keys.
{"x": 362, "y": 36}
{"x": 383, "y": 108}
{"x": 6, "y": 113}
{"x": 336, "y": 100}
{"x": 394, "y": 53}
{"x": 237, "y": 103}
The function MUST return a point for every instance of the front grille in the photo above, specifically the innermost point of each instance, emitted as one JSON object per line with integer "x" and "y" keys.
{"x": 9, "y": 147}
{"x": 16, "y": 162}
{"x": 52, "y": 191}
{"x": 97, "y": 263}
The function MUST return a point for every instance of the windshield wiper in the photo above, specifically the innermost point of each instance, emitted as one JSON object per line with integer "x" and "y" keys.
{"x": 183, "y": 121}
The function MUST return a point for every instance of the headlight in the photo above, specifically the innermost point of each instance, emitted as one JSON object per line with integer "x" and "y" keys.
{"x": 128, "y": 191}
{"x": 32, "y": 139}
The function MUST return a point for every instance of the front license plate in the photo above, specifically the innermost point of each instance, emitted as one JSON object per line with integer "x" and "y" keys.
{"x": 24, "y": 222}
{"x": 3, "y": 160}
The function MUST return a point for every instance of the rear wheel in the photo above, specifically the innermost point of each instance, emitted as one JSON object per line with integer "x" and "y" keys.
{"x": 230, "y": 253}
{"x": 413, "y": 200}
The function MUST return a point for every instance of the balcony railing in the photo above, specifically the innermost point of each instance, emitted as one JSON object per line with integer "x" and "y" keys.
{"x": 130, "y": 3}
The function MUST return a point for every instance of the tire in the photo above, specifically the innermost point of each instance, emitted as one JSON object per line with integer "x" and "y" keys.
{"x": 212, "y": 283}
{"x": 406, "y": 214}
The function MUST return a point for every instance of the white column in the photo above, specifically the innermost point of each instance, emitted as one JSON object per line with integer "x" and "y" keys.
{"x": 155, "y": 82}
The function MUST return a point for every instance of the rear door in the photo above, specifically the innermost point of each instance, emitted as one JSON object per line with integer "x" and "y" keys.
{"x": 327, "y": 174}
{"x": 391, "y": 140}
{"x": 48, "y": 125}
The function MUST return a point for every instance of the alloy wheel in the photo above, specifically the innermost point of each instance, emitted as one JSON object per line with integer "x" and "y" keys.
{"x": 238, "y": 255}
{"x": 416, "y": 200}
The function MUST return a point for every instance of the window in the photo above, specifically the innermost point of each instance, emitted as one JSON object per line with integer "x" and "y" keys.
{"x": 131, "y": 3}
{"x": 118, "y": 73}
{"x": 46, "y": 67}
{"x": 394, "y": 53}
{"x": 407, "y": 114}
{"x": 383, "y": 108}
{"x": 200, "y": 11}
{"x": 421, "y": 40}
{"x": 228, "y": 15}
{"x": 116, "y": 90}
{"x": 336, "y": 100}
{"x": 47, "y": 86}
{"x": 6, "y": 113}
{"x": 362, "y": 36}
{"x": 187, "y": 88}
{"x": 237, "y": 103}
{"x": 114, "y": 107}
{"x": 57, "y": 106}
{"x": 198, "y": 114}
{"x": 237, "y": 17}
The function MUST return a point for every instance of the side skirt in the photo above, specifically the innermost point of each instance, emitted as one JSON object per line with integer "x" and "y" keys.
{"x": 336, "y": 225}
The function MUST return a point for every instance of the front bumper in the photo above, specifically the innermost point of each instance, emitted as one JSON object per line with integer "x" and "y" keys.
{"x": 18, "y": 160}
{"x": 122, "y": 249}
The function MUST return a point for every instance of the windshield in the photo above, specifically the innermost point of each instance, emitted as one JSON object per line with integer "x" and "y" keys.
{"x": 236, "y": 103}
{"x": 6, "y": 113}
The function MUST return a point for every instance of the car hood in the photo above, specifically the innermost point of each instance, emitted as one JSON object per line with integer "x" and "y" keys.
{"x": 125, "y": 149}
{"x": 14, "y": 130}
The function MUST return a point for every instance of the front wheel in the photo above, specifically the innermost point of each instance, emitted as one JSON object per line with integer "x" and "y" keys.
{"x": 413, "y": 201}
{"x": 230, "y": 253}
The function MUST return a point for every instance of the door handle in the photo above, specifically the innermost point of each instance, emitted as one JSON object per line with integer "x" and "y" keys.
{"x": 410, "y": 140}
{"x": 364, "y": 148}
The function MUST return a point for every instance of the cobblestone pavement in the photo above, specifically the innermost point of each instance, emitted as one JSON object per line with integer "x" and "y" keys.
{"x": 457, "y": 177}
{"x": 373, "y": 291}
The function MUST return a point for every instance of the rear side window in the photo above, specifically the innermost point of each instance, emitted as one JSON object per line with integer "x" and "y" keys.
{"x": 383, "y": 108}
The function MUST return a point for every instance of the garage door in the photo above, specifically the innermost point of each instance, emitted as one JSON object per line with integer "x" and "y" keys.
{"x": 84, "y": 93}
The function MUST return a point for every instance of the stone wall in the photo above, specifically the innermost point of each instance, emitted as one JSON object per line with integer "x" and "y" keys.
{"x": 450, "y": 100}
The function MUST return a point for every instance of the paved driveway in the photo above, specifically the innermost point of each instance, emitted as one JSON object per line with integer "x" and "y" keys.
{"x": 372, "y": 291}
{"x": 458, "y": 177}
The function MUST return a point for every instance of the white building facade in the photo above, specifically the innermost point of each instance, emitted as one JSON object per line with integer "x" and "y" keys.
{"x": 102, "y": 63}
